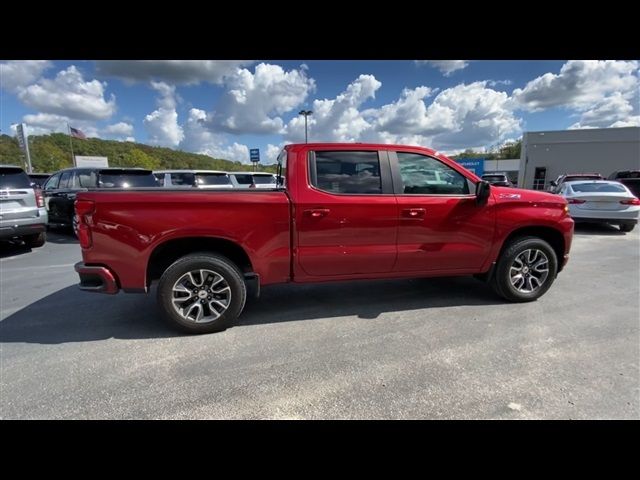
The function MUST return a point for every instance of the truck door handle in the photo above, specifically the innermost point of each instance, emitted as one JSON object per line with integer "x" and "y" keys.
{"x": 413, "y": 213}
{"x": 317, "y": 212}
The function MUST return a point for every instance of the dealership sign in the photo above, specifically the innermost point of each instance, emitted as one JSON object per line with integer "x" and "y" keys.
{"x": 476, "y": 165}
{"x": 100, "y": 162}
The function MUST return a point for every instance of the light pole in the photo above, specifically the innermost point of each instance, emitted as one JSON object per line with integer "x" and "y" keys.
{"x": 306, "y": 113}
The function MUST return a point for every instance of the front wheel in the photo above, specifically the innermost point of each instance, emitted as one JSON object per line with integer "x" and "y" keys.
{"x": 525, "y": 270}
{"x": 202, "y": 293}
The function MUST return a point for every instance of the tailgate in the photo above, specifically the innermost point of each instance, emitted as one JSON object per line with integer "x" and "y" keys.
{"x": 18, "y": 204}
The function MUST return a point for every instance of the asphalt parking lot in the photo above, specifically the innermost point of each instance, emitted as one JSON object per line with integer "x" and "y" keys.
{"x": 427, "y": 348}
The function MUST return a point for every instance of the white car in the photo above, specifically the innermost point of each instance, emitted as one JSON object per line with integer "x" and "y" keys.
{"x": 602, "y": 201}
{"x": 253, "y": 179}
{"x": 208, "y": 179}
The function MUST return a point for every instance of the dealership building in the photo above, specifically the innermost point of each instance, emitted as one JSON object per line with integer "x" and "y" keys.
{"x": 546, "y": 155}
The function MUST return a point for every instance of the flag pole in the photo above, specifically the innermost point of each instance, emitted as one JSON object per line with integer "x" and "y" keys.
{"x": 73, "y": 158}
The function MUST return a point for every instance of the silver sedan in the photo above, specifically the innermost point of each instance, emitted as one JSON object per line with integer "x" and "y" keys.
{"x": 602, "y": 201}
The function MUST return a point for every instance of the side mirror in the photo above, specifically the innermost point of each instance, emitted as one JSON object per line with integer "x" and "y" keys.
{"x": 483, "y": 188}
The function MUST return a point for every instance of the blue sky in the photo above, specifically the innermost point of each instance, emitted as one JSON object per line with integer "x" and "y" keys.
{"x": 223, "y": 108}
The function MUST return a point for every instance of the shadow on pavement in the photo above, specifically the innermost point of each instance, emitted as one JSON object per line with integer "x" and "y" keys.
{"x": 12, "y": 248}
{"x": 597, "y": 229}
{"x": 70, "y": 315}
{"x": 61, "y": 236}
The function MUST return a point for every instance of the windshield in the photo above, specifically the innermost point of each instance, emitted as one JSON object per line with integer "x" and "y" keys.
{"x": 598, "y": 187}
{"x": 263, "y": 179}
{"x": 127, "y": 179}
{"x": 500, "y": 178}
{"x": 14, "y": 178}
{"x": 573, "y": 178}
{"x": 212, "y": 179}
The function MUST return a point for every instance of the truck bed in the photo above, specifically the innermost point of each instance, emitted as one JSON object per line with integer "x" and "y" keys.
{"x": 129, "y": 226}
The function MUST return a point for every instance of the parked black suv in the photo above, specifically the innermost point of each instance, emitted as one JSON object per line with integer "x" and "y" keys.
{"x": 61, "y": 188}
{"x": 630, "y": 178}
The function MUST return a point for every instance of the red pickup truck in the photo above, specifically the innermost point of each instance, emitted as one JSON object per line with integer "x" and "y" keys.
{"x": 339, "y": 212}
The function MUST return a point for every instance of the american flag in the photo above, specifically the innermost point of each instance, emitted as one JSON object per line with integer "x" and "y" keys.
{"x": 77, "y": 133}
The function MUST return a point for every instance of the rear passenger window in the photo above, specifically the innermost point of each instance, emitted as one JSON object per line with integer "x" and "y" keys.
{"x": 65, "y": 180}
{"x": 52, "y": 182}
{"x": 86, "y": 179}
{"x": 422, "y": 175}
{"x": 347, "y": 172}
{"x": 182, "y": 179}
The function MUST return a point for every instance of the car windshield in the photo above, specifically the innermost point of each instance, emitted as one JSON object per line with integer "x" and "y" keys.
{"x": 127, "y": 179}
{"x": 500, "y": 178}
{"x": 242, "y": 178}
{"x": 598, "y": 188}
{"x": 14, "y": 178}
{"x": 263, "y": 179}
{"x": 573, "y": 178}
{"x": 212, "y": 179}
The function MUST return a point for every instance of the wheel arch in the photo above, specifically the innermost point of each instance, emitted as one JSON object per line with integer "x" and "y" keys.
{"x": 164, "y": 254}
{"x": 552, "y": 236}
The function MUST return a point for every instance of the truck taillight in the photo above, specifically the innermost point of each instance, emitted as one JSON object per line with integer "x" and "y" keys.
{"x": 84, "y": 235}
{"x": 84, "y": 208}
{"x": 632, "y": 201}
{"x": 39, "y": 198}
{"x": 575, "y": 200}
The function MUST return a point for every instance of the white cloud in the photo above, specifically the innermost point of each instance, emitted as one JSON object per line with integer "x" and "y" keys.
{"x": 253, "y": 101}
{"x": 16, "y": 74}
{"x": 162, "y": 124}
{"x": 45, "y": 123}
{"x": 121, "y": 131}
{"x": 464, "y": 116}
{"x": 69, "y": 95}
{"x": 271, "y": 155}
{"x": 446, "y": 67}
{"x": 339, "y": 119}
{"x": 198, "y": 138}
{"x": 173, "y": 71}
{"x": 612, "y": 111}
{"x": 120, "y": 128}
{"x": 580, "y": 84}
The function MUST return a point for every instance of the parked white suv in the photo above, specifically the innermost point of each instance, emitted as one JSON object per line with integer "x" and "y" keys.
{"x": 253, "y": 179}
{"x": 22, "y": 211}
{"x": 210, "y": 179}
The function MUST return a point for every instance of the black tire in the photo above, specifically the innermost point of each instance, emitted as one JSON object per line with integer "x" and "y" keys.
{"x": 627, "y": 227}
{"x": 35, "y": 240}
{"x": 207, "y": 261}
{"x": 501, "y": 280}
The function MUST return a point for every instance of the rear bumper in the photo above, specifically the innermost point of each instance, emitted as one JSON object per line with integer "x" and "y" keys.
{"x": 96, "y": 279}
{"x": 9, "y": 231}
{"x": 615, "y": 221}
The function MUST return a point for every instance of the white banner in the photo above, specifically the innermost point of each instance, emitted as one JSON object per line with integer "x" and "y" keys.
{"x": 92, "y": 161}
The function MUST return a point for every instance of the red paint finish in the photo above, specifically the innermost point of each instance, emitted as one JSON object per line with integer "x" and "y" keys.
{"x": 308, "y": 235}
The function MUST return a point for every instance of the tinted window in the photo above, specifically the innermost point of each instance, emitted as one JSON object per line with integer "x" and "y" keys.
{"x": 573, "y": 178}
{"x": 428, "y": 176}
{"x": 598, "y": 187}
{"x": 494, "y": 178}
{"x": 14, "y": 178}
{"x": 212, "y": 179}
{"x": 248, "y": 179}
{"x": 347, "y": 172}
{"x": 126, "y": 180}
{"x": 64, "y": 180}
{"x": 86, "y": 179}
{"x": 263, "y": 179}
{"x": 52, "y": 182}
{"x": 160, "y": 178}
{"x": 182, "y": 179}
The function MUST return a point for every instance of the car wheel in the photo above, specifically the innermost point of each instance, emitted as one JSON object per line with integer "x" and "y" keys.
{"x": 36, "y": 240}
{"x": 525, "y": 270}
{"x": 202, "y": 293}
{"x": 627, "y": 227}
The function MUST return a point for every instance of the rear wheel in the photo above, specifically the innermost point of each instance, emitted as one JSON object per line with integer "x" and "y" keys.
{"x": 35, "y": 240}
{"x": 627, "y": 227}
{"x": 202, "y": 293}
{"x": 525, "y": 270}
